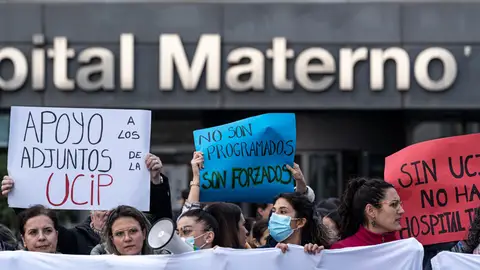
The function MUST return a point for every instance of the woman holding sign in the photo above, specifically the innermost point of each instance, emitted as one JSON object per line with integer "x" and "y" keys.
{"x": 371, "y": 211}
{"x": 81, "y": 239}
{"x": 39, "y": 229}
{"x": 194, "y": 197}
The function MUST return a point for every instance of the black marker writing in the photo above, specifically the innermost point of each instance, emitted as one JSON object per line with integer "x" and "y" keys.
{"x": 64, "y": 127}
{"x": 418, "y": 172}
{"x": 246, "y": 177}
{"x": 250, "y": 149}
{"x": 81, "y": 159}
{"x": 433, "y": 224}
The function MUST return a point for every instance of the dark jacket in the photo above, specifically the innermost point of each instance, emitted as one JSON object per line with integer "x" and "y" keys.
{"x": 271, "y": 243}
{"x": 81, "y": 239}
{"x": 78, "y": 240}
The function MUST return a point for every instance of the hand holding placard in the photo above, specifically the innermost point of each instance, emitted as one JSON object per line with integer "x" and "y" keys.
{"x": 437, "y": 180}
{"x": 154, "y": 165}
{"x": 245, "y": 160}
{"x": 301, "y": 185}
{"x": 197, "y": 163}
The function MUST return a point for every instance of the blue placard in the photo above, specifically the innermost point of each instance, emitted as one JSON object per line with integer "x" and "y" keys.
{"x": 245, "y": 160}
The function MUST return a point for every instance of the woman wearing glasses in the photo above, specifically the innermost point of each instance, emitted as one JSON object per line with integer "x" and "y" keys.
{"x": 199, "y": 229}
{"x": 371, "y": 211}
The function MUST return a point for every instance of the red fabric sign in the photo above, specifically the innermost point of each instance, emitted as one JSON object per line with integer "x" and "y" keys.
{"x": 438, "y": 183}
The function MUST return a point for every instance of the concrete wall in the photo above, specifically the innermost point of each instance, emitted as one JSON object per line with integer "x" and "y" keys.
{"x": 332, "y": 26}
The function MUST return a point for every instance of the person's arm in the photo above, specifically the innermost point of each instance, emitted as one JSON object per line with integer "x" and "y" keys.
{"x": 160, "y": 200}
{"x": 309, "y": 193}
{"x": 193, "y": 200}
{"x": 300, "y": 183}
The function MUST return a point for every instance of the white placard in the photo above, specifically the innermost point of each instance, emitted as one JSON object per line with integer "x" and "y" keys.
{"x": 83, "y": 159}
{"x": 400, "y": 255}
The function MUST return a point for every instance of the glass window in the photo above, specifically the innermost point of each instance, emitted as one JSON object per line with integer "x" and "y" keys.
{"x": 298, "y": 160}
{"x": 352, "y": 165}
{"x": 176, "y": 166}
{"x": 376, "y": 165}
{"x": 472, "y": 127}
{"x": 173, "y": 132}
{"x": 425, "y": 131}
{"x": 4, "y": 129}
{"x": 324, "y": 174}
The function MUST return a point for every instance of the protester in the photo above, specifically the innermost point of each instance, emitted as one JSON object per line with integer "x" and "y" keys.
{"x": 249, "y": 223}
{"x": 126, "y": 231}
{"x": 194, "y": 195}
{"x": 331, "y": 219}
{"x": 84, "y": 237}
{"x": 199, "y": 229}
{"x": 371, "y": 211}
{"x": 264, "y": 210}
{"x": 233, "y": 210}
{"x": 260, "y": 233}
{"x": 38, "y": 227}
{"x": 294, "y": 221}
{"x": 329, "y": 204}
{"x": 231, "y": 222}
{"x": 197, "y": 165}
{"x": 8, "y": 242}
{"x": 472, "y": 244}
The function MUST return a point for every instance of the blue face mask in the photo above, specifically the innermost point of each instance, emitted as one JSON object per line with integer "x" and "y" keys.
{"x": 191, "y": 241}
{"x": 279, "y": 227}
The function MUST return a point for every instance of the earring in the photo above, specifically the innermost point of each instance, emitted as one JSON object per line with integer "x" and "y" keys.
{"x": 373, "y": 223}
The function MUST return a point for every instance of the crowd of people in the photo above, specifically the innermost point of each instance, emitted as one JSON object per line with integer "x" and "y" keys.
{"x": 368, "y": 213}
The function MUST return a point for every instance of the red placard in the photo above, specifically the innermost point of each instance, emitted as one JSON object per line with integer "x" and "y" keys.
{"x": 438, "y": 182}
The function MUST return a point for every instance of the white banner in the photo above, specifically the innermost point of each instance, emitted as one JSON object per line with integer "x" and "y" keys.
{"x": 400, "y": 255}
{"x": 82, "y": 159}
{"x": 447, "y": 260}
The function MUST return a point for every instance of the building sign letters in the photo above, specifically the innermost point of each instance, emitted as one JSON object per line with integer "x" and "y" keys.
{"x": 315, "y": 69}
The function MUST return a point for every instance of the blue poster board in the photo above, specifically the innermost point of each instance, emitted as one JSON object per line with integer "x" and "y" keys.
{"x": 245, "y": 160}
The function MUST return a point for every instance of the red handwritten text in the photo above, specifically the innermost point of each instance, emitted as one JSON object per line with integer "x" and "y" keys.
{"x": 101, "y": 180}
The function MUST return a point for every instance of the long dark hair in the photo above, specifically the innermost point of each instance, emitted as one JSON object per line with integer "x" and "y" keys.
{"x": 209, "y": 222}
{"x": 126, "y": 211}
{"x": 359, "y": 193}
{"x": 259, "y": 228}
{"x": 332, "y": 214}
{"x": 473, "y": 238}
{"x": 314, "y": 231}
{"x": 228, "y": 217}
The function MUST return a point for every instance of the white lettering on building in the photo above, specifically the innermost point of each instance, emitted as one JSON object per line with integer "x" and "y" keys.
{"x": 210, "y": 65}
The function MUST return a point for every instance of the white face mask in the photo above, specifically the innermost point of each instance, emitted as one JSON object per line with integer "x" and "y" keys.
{"x": 191, "y": 241}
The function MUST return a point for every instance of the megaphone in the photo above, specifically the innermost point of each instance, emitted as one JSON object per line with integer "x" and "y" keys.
{"x": 163, "y": 236}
